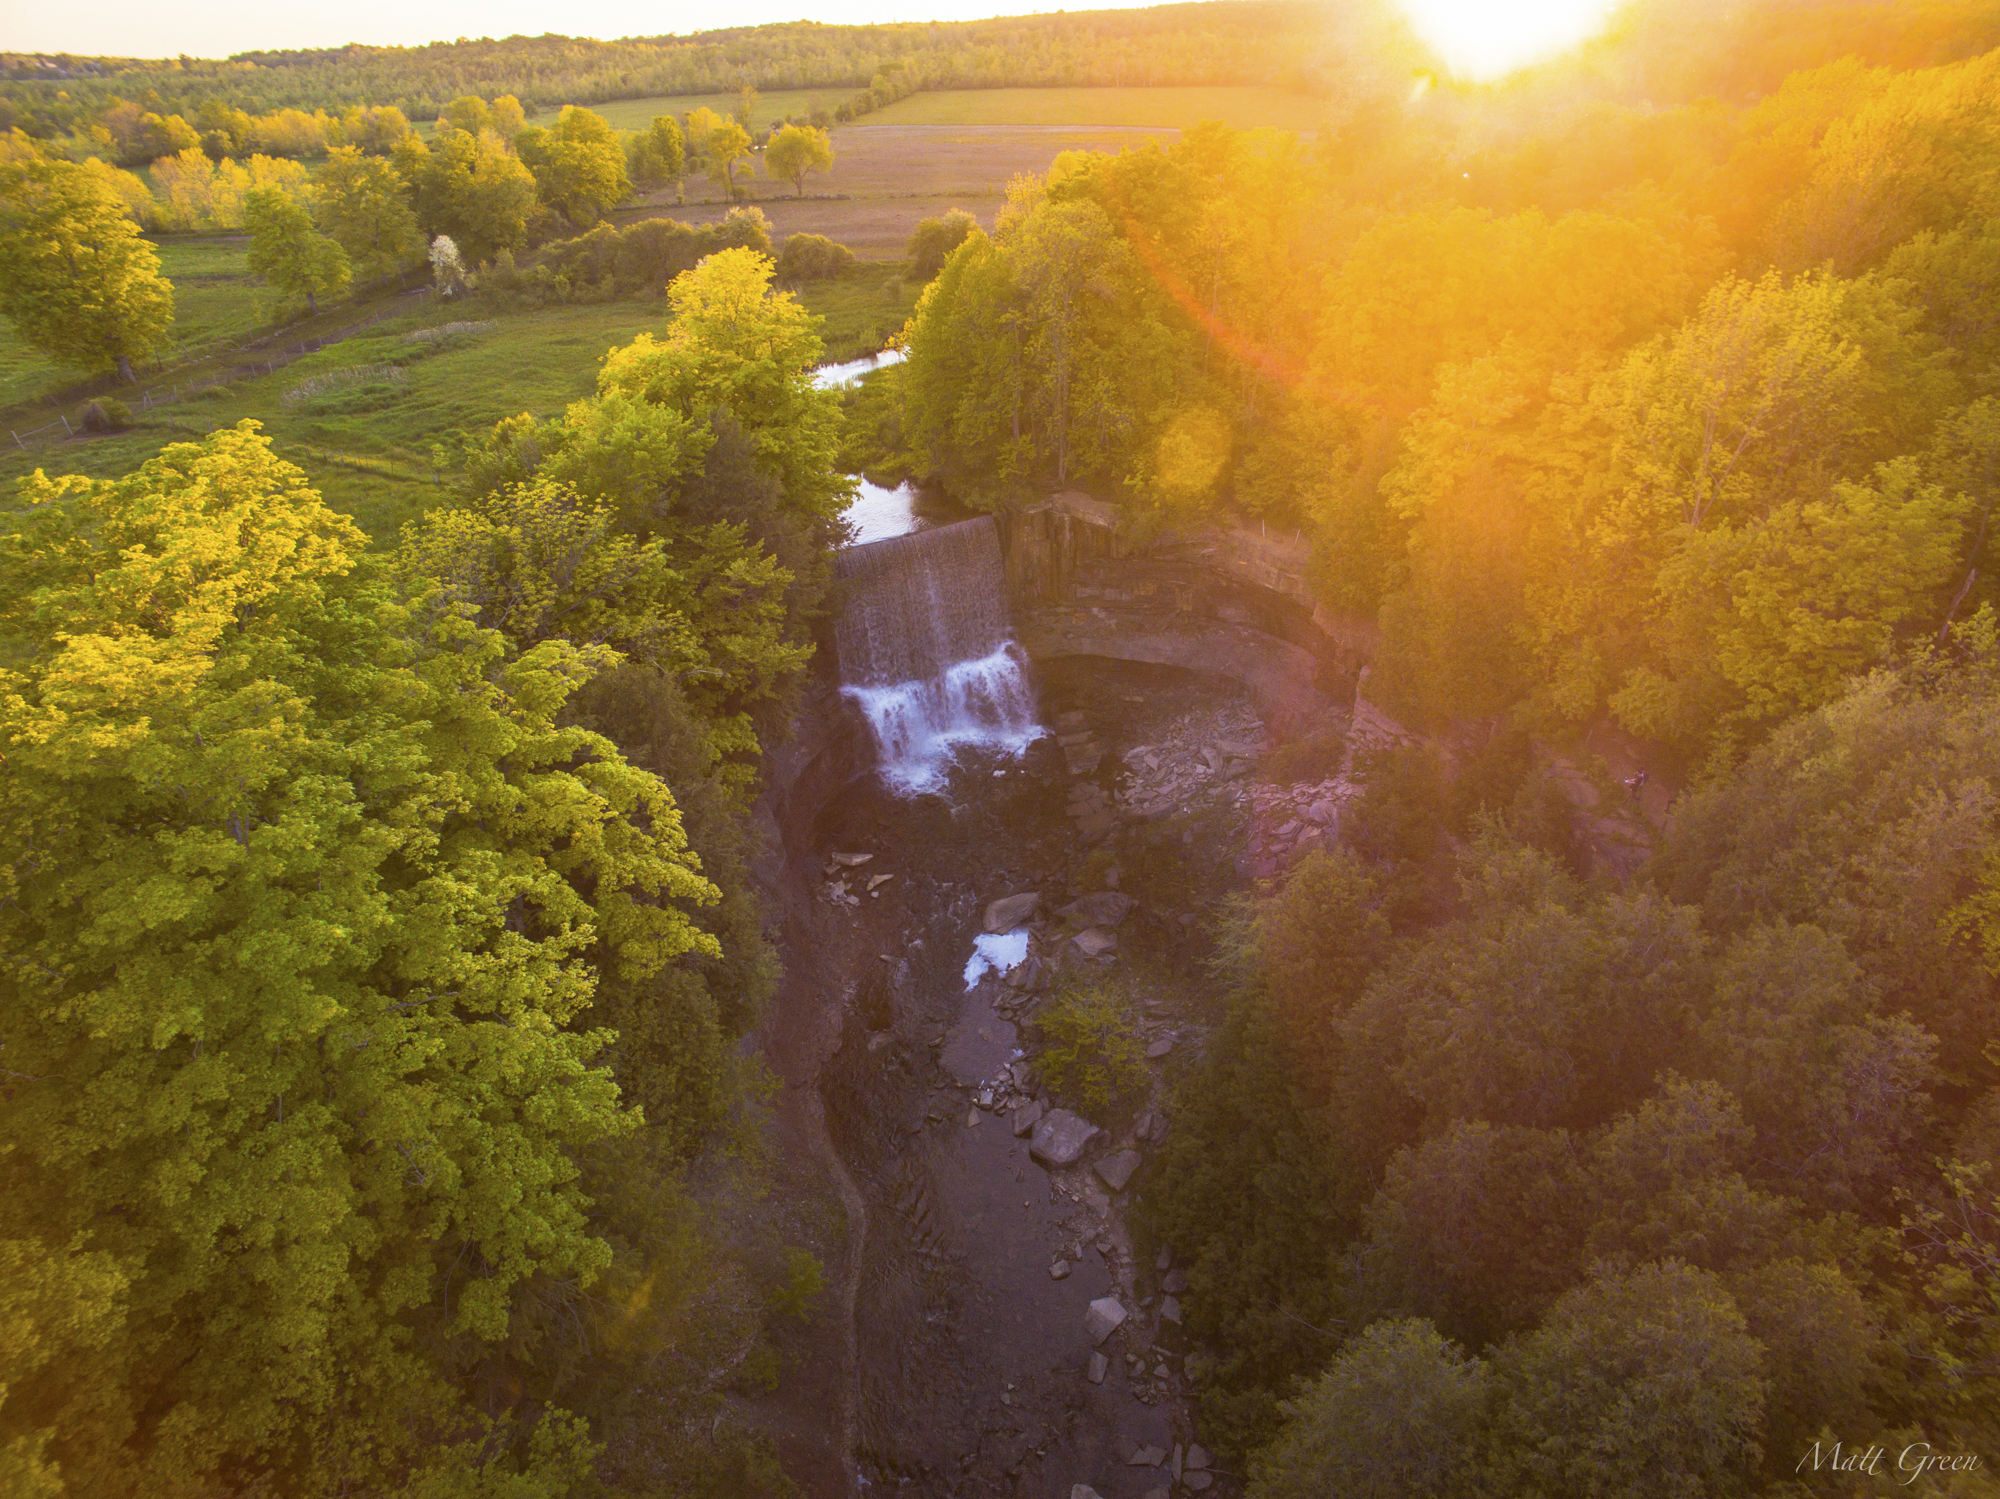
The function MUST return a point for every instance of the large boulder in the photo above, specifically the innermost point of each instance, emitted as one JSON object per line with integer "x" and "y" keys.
{"x": 1105, "y": 908}
{"x": 1095, "y": 941}
{"x": 1106, "y": 1315}
{"x": 1028, "y": 1115}
{"x": 1060, "y": 1138}
{"x": 1008, "y": 912}
{"x": 1117, "y": 1168}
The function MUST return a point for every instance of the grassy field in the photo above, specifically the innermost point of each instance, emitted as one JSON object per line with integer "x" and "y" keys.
{"x": 1159, "y": 108}
{"x": 368, "y": 446}
{"x": 216, "y": 299}
{"x": 862, "y": 311}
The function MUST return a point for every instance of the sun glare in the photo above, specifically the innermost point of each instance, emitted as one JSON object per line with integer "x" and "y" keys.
{"x": 1488, "y": 38}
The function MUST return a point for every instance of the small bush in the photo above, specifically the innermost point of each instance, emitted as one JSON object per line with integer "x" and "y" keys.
{"x": 106, "y": 415}
{"x": 1092, "y": 1058}
{"x": 813, "y": 257}
{"x": 1313, "y": 758}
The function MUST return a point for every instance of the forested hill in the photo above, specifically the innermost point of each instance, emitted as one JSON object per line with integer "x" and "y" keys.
{"x": 1659, "y": 50}
{"x": 1296, "y": 42}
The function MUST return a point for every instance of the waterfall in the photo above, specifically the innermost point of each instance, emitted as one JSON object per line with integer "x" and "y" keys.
{"x": 926, "y": 652}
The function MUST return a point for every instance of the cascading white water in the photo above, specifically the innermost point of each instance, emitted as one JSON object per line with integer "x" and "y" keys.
{"x": 926, "y": 653}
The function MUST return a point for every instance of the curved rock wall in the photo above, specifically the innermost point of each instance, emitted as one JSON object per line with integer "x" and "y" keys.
{"x": 1229, "y": 601}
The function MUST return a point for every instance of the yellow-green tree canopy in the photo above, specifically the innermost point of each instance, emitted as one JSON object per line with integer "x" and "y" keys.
{"x": 306, "y": 892}
{"x": 797, "y": 150}
{"x": 296, "y": 259}
{"x": 578, "y": 164}
{"x": 76, "y": 280}
{"x": 365, "y": 207}
{"x": 471, "y": 188}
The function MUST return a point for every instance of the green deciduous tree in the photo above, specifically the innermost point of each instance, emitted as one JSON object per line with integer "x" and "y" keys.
{"x": 308, "y": 889}
{"x": 578, "y": 164}
{"x": 797, "y": 150}
{"x": 365, "y": 207}
{"x": 1635, "y": 1386}
{"x": 657, "y": 154}
{"x": 75, "y": 278}
{"x": 726, "y": 147}
{"x": 1398, "y": 1412}
{"x": 933, "y": 240}
{"x": 471, "y": 188}
{"x": 296, "y": 259}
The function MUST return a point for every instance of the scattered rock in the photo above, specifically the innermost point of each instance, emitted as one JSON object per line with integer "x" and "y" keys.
{"x": 1008, "y": 912}
{"x": 875, "y": 882}
{"x": 1060, "y": 1138}
{"x": 1323, "y": 812}
{"x": 850, "y": 861}
{"x": 1175, "y": 1282}
{"x": 971, "y": 1118}
{"x": 1083, "y": 1491}
{"x": 1026, "y": 1116}
{"x": 1164, "y": 1258}
{"x": 1106, "y": 1315}
{"x": 1095, "y": 941}
{"x": 1026, "y": 975}
{"x": 1059, "y": 1270}
{"x": 1117, "y": 1168}
{"x": 1196, "y": 1479}
{"x": 1198, "y": 1458}
{"x": 1097, "y": 1368}
{"x": 1159, "y": 1049}
{"x": 1105, "y": 908}
{"x": 1148, "y": 1456}
{"x": 1170, "y": 1310}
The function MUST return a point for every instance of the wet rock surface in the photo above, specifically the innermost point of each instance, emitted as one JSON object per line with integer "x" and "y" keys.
{"x": 989, "y": 1224}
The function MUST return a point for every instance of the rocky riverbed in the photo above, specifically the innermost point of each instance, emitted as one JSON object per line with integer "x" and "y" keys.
{"x": 1008, "y": 1332}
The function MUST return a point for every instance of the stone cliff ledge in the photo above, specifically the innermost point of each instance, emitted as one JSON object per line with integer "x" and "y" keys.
{"x": 1222, "y": 600}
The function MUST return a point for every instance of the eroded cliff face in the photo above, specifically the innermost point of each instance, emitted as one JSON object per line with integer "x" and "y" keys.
{"x": 1226, "y": 602}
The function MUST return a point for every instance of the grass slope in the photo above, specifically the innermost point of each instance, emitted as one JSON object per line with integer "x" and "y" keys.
{"x": 369, "y": 445}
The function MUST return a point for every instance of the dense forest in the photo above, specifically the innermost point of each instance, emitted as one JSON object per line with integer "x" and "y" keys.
{"x": 1677, "y": 422}
{"x": 380, "y": 942}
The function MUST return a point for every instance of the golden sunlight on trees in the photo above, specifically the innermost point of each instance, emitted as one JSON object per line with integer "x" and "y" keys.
{"x": 76, "y": 280}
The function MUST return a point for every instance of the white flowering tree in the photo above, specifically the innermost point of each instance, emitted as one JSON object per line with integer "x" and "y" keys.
{"x": 447, "y": 270}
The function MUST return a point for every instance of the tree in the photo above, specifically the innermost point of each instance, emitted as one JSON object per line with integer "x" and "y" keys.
{"x": 933, "y": 240}
{"x": 306, "y": 938}
{"x": 659, "y": 153}
{"x": 296, "y": 259}
{"x": 508, "y": 117}
{"x": 727, "y": 145}
{"x": 365, "y": 207}
{"x": 76, "y": 280}
{"x": 797, "y": 150}
{"x": 1398, "y": 1412}
{"x": 1634, "y": 1386}
{"x": 471, "y": 188}
{"x": 813, "y": 257}
{"x": 468, "y": 112}
{"x": 578, "y": 164}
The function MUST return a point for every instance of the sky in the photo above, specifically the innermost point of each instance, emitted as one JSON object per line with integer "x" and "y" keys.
{"x": 1477, "y": 38}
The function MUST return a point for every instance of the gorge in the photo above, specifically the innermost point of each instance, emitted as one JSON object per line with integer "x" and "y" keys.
{"x": 1038, "y": 740}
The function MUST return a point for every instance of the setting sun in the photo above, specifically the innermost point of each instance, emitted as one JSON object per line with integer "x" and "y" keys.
{"x": 1481, "y": 40}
